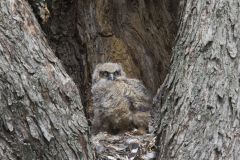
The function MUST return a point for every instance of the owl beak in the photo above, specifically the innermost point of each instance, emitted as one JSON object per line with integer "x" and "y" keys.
{"x": 111, "y": 77}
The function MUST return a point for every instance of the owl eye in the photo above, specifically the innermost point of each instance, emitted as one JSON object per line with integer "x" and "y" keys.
{"x": 117, "y": 73}
{"x": 104, "y": 74}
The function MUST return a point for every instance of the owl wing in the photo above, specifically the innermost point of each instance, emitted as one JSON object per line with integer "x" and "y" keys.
{"x": 99, "y": 91}
{"x": 138, "y": 95}
{"x": 105, "y": 95}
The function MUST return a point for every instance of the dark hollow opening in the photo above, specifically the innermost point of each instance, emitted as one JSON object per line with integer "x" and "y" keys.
{"x": 139, "y": 34}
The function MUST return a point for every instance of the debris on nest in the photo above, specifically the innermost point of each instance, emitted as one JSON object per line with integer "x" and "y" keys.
{"x": 125, "y": 146}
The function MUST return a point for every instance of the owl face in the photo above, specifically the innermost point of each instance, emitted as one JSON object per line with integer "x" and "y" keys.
{"x": 110, "y": 75}
{"x": 108, "y": 71}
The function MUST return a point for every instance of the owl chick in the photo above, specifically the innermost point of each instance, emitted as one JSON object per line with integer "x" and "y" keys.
{"x": 119, "y": 103}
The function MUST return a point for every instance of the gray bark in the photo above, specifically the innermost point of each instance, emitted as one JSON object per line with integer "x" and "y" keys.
{"x": 41, "y": 115}
{"x": 199, "y": 112}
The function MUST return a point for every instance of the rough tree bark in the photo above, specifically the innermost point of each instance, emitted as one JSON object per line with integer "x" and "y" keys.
{"x": 41, "y": 115}
{"x": 200, "y": 102}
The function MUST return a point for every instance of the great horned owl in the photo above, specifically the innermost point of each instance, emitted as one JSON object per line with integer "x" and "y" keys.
{"x": 119, "y": 103}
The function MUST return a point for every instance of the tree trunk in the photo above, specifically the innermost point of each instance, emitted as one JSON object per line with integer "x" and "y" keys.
{"x": 41, "y": 112}
{"x": 200, "y": 103}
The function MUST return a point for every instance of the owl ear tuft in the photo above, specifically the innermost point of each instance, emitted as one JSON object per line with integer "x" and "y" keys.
{"x": 119, "y": 64}
{"x": 122, "y": 71}
{"x": 97, "y": 67}
{"x": 95, "y": 75}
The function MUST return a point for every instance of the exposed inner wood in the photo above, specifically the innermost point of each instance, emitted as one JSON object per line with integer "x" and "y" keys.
{"x": 138, "y": 34}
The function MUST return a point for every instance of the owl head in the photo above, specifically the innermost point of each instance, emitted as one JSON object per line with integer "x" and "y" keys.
{"x": 108, "y": 71}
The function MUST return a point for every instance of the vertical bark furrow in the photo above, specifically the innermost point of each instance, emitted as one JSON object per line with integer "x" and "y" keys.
{"x": 200, "y": 111}
{"x": 41, "y": 112}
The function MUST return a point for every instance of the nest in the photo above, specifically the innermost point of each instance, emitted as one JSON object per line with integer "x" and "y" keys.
{"x": 125, "y": 146}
